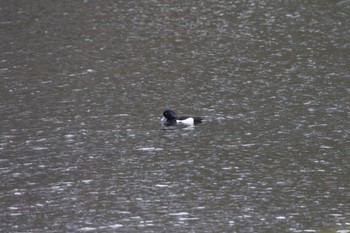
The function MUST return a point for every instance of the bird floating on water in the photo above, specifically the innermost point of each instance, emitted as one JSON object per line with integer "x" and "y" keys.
{"x": 170, "y": 118}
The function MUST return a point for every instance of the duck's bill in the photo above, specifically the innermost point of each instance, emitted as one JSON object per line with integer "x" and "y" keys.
{"x": 163, "y": 119}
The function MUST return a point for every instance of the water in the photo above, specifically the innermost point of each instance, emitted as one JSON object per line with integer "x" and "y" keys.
{"x": 83, "y": 87}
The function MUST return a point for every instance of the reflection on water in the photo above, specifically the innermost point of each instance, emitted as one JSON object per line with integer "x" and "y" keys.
{"x": 83, "y": 87}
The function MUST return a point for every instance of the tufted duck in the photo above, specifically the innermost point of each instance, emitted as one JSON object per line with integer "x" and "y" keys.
{"x": 172, "y": 119}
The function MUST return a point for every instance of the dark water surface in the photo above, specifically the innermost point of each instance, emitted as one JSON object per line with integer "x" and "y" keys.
{"x": 83, "y": 85}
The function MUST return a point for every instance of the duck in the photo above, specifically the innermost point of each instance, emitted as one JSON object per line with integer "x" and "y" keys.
{"x": 171, "y": 118}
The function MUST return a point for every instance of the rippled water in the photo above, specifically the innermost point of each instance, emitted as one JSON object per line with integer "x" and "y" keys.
{"x": 83, "y": 85}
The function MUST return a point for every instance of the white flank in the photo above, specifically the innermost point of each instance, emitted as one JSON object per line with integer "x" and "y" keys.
{"x": 188, "y": 121}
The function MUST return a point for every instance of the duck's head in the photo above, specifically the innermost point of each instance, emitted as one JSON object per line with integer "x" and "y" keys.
{"x": 169, "y": 115}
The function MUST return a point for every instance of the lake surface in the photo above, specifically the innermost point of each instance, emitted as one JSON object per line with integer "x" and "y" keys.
{"x": 83, "y": 85}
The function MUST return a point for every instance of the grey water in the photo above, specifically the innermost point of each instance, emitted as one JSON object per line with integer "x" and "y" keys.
{"x": 83, "y": 85}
